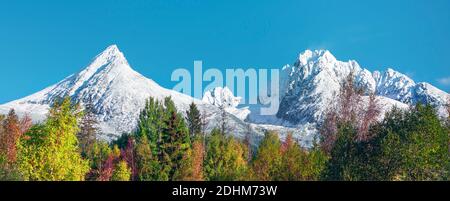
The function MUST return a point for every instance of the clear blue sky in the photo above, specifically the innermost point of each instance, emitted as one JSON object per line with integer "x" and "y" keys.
{"x": 42, "y": 42}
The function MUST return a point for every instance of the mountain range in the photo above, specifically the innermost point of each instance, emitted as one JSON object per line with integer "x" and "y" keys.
{"x": 312, "y": 83}
{"x": 308, "y": 88}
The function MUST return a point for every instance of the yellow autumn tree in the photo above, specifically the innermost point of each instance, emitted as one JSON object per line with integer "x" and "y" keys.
{"x": 49, "y": 151}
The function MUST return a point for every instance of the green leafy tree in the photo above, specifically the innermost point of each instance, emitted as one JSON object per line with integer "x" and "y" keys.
{"x": 147, "y": 163}
{"x": 97, "y": 155}
{"x": 49, "y": 151}
{"x": 419, "y": 142}
{"x": 342, "y": 165}
{"x": 8, "y": 171}
{"x": 191, "y": 168}
{"x": 292, "y": 160}
{"x": 2, "y": 117}
{"x": 121, "y": 172}
{"x": 268, "y": 159}
{"x": 225, "y": 159}
{"x": 315, "y": 164}
{"x": 299, "y": 164}
{"x": 407, "y": 145}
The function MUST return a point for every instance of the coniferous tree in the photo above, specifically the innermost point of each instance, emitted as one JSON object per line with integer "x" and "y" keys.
{"x": 223, "y": 120}
{"x": 194, "y": 121}
{"x": 151, "y": 123}
{"x": 185, "y": 170}
{"x": 248, "y": 143}
{"x": 174, "y": 142}
{"x": 49, "y": 151}
{"x": 447, "y": 106}
{"x": 167, "y": 136}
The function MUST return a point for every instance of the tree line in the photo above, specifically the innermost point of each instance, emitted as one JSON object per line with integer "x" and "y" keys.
{"x": 172, "y": 145}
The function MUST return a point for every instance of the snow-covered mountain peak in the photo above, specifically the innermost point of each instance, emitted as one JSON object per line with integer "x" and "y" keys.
{"x": 393, "y": 73}
{"x": 313, "y": 83}
{"x": 111, "y": 55}
{"x": 390, "y": 76}
{"x": 395, "y": 85}
{"x": 427, "y": 93}
{"x": 107, "y": 69}
{"x": 110, "y": 63}
{"x": 117, "y": 92}
{"x": 313, "y": 56}
{"x": 311, "y": 86}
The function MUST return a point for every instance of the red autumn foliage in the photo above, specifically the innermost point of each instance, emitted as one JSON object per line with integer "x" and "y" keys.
{"x": 13, "y": 129}
{"x": 287, "y": 143}
{"x": 128, "y": 155}
{"x": 107, "y": 169}
{"x": 197, "y": 161}
{"x": 349, "y": 108}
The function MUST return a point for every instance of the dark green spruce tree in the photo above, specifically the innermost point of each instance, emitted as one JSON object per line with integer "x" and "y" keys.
{"x": 194, "y": 121}
{"x": 174, "y": 142}
{"x": 151, "y": 123}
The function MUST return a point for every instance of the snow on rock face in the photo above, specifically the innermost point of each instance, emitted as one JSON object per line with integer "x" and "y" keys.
{"x": 395, "y": 85}
{"x": 400, "y": 87}
{"x": 311, "y": 86}
{"x": 221, "y": 97}
{"x": 224, "y": 97}
{"x": 313, "y": 83}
